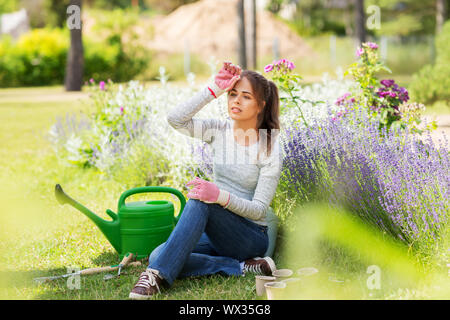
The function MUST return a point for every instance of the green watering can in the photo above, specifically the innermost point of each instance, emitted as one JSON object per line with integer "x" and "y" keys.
{"x": 138, "y": 227}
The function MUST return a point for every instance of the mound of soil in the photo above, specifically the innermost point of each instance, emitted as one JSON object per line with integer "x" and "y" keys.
{"x": 209, "y": 28}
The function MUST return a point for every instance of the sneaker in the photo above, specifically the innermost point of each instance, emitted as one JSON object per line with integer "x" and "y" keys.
{"x": 263, "y": 266}
{"x": 147, "y": 285}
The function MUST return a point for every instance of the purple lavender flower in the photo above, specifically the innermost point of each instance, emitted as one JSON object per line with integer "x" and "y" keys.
{"x": 389, "y": 180}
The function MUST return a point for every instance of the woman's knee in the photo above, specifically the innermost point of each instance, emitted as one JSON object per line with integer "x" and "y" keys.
{"x": 195, "y": 207}
{"x": 196, "y": 203}
{"x": 155, "y": 253}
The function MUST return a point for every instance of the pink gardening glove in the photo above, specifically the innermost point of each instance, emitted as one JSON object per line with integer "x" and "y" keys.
{"x": 207, "y": 192}
{"x": 227, "y": 76}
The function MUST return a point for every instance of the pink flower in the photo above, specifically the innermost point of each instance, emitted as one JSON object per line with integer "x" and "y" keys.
{"x": 291, "y": 66}
{"x": 372, "y": 45}
{"x": 91, "y": 80}
{"x": 268, "y": 68}
{"x": 102, "y": 85}
{"x": 359, "y": 52}
{"x": 121, "y": 110}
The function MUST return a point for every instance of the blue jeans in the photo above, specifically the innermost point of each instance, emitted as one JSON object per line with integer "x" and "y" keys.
{"x": 208, "y": 239}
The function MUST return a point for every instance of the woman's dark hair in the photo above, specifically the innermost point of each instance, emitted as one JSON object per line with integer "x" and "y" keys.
{"x": 265, "y": 91}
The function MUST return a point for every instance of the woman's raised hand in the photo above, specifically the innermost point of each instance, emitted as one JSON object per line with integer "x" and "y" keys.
{"x": 228, "y": 76}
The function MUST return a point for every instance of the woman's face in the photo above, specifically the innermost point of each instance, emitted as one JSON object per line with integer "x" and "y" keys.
{"x": 242, "y": 103}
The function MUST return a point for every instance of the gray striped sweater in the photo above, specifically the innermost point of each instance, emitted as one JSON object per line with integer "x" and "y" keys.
{"x": 250, "y": 180}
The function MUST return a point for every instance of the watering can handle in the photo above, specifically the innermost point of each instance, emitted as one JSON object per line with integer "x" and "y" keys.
{"x": 130, "y": 192}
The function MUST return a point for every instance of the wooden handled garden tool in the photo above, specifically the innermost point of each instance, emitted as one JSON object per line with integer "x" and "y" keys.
{"x": 125, "y": 261}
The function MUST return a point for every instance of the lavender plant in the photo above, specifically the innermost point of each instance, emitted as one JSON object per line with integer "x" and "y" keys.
{"x": 395, "y": 182}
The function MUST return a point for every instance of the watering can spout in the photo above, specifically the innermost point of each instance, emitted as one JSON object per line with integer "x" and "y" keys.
{"x": 111, "y": 229}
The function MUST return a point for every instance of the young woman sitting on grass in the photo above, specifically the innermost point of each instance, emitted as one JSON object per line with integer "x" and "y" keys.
{"x": 223, "y": 226}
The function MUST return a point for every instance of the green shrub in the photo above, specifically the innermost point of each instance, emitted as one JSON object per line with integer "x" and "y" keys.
{"x": 39, "y": 58}
{"x": 443, "y": 45}
{"x": 100, "y": 60}
{"x": 432, "y": 82}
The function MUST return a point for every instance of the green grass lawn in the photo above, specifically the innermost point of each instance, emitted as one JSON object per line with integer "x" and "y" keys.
{"x": 39, "y": 237}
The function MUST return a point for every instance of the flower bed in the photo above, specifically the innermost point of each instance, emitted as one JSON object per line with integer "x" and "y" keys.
{"x": 353, "y": 144}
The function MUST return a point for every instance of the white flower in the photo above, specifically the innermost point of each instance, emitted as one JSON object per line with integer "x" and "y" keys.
{"x": 73, "y": 147}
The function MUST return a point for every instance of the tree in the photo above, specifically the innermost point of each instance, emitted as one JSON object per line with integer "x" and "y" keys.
{"x": 75, "y": 60}
{"x": 242, "y": 52}
{"x": 360, "y": 21}
{"x": 253, "y": 54}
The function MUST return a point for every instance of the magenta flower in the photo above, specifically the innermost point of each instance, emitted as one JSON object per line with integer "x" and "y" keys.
{"x": 359, "y": 52}
{"x": 372, "y": 45}
{"x": 387, "y": 83}
{"x": 283, "y": 63}
{"x": 121, "y": 110}
{"x": 102, "y": 85}
{"x": 383, "y": 93}
{"x": 268, "y": 68}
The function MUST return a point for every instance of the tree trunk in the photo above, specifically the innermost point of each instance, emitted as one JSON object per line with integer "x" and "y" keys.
{"x": 360, "y": 21}
{"x": 242, "y": 55}
{"x": 75, "y": 60}
{"x": 253, "y": 55}
{"x": 440, "y": 14}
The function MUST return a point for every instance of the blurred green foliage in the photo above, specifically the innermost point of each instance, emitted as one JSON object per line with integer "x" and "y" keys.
{"x": 400, "y": 17}
{"x": 56, "y": 12}
{"x": 432, "y": 82}
{"x": 132, "y": 58}
{"x": 39, "y": 58}
{"x": 8, "y": 6}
